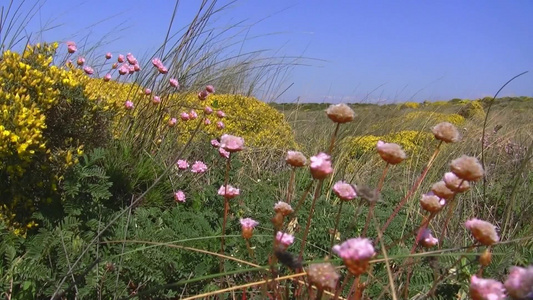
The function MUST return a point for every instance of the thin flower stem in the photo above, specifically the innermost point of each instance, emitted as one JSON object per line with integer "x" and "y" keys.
{"x": 318, "y": 189}
{"x": 413, "y": 189}
{"x": 355, "y": 288}
{"x": 319, "y": 294}
{"x": 382, "y": 179}
{"x": 337, "y": 219}
{"x": 446, "y": 274}
{"x": 291, "y": 185}
{"x": 343, "y": 285}
{"x": 373, "y": 204}
{"x": 333, "y": 138}
{"x": 226, "y": 209}
{"x": 250, "y": 250}
{"x": 452, "y": 204}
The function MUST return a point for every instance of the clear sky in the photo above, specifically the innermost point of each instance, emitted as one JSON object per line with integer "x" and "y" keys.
{"x": 368, "y": 51}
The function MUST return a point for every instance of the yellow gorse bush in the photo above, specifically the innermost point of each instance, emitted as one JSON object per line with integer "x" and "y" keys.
{"x": 43, "y": 129}
{"x": 410, "y": 105}
{"x": 434, "y": 117}
{"x": 410, "y": 141}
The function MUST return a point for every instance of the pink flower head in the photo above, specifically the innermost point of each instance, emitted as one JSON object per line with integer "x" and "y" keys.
{"x": 156, "y": 100}
{"x": 208, "y": 110}
{"x": 207, "y": 122}
{"x": 283, "y": 208}
{"x": 108, "y": 55}
{"x": 71, "y": 47}
{"x": 295, "y": 159}
{"x": 198, "y": 167}
{"x": 147, "y": 91}
{"x": 284, "y": 238}
{"x": 107, "y": 77}
{"x": 486, "y": 289}
{"x": 136, "y": 67}
{"x": 203, "y": 95}
{"x": 123, "y": 70}
{"x": 174, "y": 82}
{"x": 120, "y": 58}
{"x": 172, "y": 122}
{"x": 182, "y": 164}
{"x": 88, "y": 70}
{"x": 157, "y": 62}
{"x": 210, "y": 89}
{"x": 483, "y": 231}
{"x": 215, "y": 143}
{"x": 162, "y": 70}
{"x": 129, "y": 105}
{"x": 231, "y": 143}
{"x": 220, "y": 125}
{"x": 223, "y": 153}
{"x": 179, "y": 196}
{"x": 184, "y": 116}
{"x": 519, "y": 284}
{"x": 355, "y": 249}
{"x": 427, "y": 239}
{"x": 80, "y": 61}
{"x": 228, "y": 191}
{"x": 220, "y": 114}
{"x": 390, "y": 152}
{"x": 320, "y": 166}
{"x": 193, "y": 115}
{"x": 131, "y": 69}
{"x": 131, "y": 59}
{"x": 248, "y": 223}
{"x": 344, "y": 191}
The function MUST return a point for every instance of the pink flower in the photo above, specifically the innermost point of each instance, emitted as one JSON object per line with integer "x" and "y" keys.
{"x": 390, "y": 152}
{"x": 203, "y": 95}
{"x": 182, "y": 164}
{"x": 220, "y": 125}
{"x": 131, "y": 69}
{"x": 120, "y": 58}
{"x": 108, "y": 55}
{"x": 295, "y": 159}
{"x": 483, "y": 231}
{"x": 320, "y": 166}
{"x": 131, "y": 59}
{"x": 157, "y": 62}
{"x": 283, "y": 208}
{"x": 173, "y": 82}
{"x": 179, "y": 196}
{"x": 344, "y": 191}
{"x": 231, "y": 143}
{"x": 107, "y": 77}
{"x": 172, "y": 122}
{"x": 88, "y": 70}
{"x": 427, "y": 239}
{"x": 356, "y": 254}
{"x": 71, "y": 47}
{"x": 123, "y": 70}
{"x": 248, "y": 223}
{"x": 136, "y": 67}
{"x": 208, "y": 110}
{"x": 184, "y": 116}
{"x": 193, "y": 115}
{"x": 284, "y": 238}
{"x": 215, "y": 143}
{"x": 519, "y": 284}
{"x": 162, "y": 70}
{"x": 486, "y": 289}
{"x": 207, "y": 121}
{"x": 147, "y": 91}
{"x": 156, "y": 100}
{"x": 80, "y": 61}
{"x": 220, "y": 114}
{"x": 228, "y": 191}
{"x": 223, "y": 153}
{"x": 198, "y": 167}
{"x": 129, "y": 105}
{"x": 210, "y": 89}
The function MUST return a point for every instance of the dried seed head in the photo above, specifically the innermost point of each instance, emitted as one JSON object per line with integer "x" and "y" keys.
{"x": 432, "y": 203}
{"x": 519, "y": 284}
{"x": 455, "y": 183}
{"x": 484, "y": 232}
{"x": 467, "y": 168}
{"x": 340, "y": 113}
{"x": 295, "y": 159}
{"x": 486, "y": 289}
{"x": 440, "y": 189}
{"x": 283, "y": 208}
{"x": 446, "y": 132}
{"x": 390, "y": 152}
{"x": 323, "y": 276}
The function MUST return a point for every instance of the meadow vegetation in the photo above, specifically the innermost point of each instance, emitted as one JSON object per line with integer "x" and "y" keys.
{"x": 137, "y": 179}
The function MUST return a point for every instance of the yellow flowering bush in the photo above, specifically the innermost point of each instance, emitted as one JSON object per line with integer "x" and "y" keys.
{"x": 410, "y": 141}
{"x": 434, "y": 117}
{"x": 410, "y": 105}
{"x": 45, "y": 123}
{"x": 472, "y": 110}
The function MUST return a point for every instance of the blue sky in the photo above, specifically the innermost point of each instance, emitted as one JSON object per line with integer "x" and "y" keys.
{"x": 371, "y": 51}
